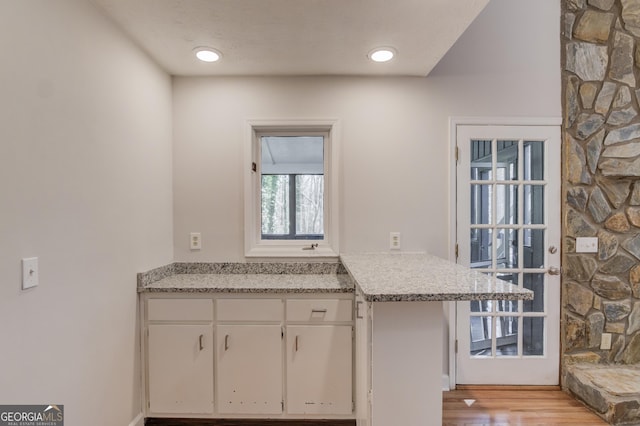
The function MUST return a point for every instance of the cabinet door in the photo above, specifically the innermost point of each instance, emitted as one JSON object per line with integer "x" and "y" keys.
{"x": 319, "y": 369}
{"x": 249, "y": 369}
{"x": 180, "y": 359}
{"x": 362, "y": 361}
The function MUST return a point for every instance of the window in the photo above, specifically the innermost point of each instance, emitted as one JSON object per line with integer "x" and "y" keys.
{"x": 291, "y": 189}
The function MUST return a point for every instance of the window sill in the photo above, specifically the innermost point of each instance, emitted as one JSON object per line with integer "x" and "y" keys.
{"x": 299, "y": 251}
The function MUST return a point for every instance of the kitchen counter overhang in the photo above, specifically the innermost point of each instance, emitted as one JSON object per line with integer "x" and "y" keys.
{"x": 420, "y": 277}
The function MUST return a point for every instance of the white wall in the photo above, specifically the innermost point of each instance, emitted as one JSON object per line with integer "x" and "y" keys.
{"x": 85, "y": 185}
{"x": 395, "y": 139}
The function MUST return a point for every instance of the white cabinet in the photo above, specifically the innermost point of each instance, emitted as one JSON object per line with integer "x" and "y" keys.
{"x": 249, "y": 369}
{"x": 319, "y": 369}
{"x": 319, "y": 356}
{"x": 259, "y": 356}
{"x": 362, "y": 360}
{"x": 249, "y": 356}
{"x": 180, "y": 357}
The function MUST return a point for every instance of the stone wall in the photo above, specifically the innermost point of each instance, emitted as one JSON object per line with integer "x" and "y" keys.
{"x": 601, "y": 179}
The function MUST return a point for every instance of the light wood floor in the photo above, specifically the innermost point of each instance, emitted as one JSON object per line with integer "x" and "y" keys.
{"x": 514, "y": 406}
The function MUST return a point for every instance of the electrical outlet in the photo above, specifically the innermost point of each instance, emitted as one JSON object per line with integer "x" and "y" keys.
{"x": 586, "y": 244}
{"x": 394, "y": 240}
{"x": 195, "y": 241}
{"x": 605, "y": 343}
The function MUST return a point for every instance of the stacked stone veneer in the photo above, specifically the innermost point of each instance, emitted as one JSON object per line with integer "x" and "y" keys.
{"x": 601, "y": 179}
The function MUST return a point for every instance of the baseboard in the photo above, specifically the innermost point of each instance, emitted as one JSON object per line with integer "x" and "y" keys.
{"x": 445, "y": 383}
{"x": 138, "y": 420}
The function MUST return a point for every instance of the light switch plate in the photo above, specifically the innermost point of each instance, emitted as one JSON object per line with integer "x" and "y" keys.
{"x": 586, "y": 244}
{"x": 29, "y": 272}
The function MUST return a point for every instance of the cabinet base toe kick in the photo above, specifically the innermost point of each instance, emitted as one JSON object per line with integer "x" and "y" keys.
{"x": 154, "y": 421}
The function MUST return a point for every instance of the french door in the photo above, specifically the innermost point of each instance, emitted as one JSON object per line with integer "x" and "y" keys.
{"x": 508, "y": 226}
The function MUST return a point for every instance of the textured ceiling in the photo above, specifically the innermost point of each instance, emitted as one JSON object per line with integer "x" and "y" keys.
{"x": 294, "y": 37}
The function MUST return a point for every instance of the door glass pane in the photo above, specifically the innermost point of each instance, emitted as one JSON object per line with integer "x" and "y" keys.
{"x": 481, "y": 248}
{"x": 481, "y": 331}
{"x": 533, "y": 209}
{"x": 533, "y": 160}
{"x": 507, "y": 248}
{"x": 535, "y": 283}
{"x": 482, "y": 305}
{"x": 506, "y": 204}
{"x": 533, "y": 251}
{"x": 481, "y": 204}
{"x": 507, "y": 305}
{"x": 481, "y": 160}
{"x": 507, "y": 161}
{"x": 533, "y": 336}
{"x": 506, "y": 336}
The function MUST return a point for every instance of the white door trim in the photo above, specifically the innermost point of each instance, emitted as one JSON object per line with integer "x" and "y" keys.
{"x": 454, "y": 122}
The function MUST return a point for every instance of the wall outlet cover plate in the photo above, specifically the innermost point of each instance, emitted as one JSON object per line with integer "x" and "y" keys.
{"x": 29, "y": 272}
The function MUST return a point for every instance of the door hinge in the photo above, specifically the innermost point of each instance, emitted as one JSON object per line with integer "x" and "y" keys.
{"x": 456, "y": 346}
{"x": 254, "y": 167}
{"x": 457, "y": 250}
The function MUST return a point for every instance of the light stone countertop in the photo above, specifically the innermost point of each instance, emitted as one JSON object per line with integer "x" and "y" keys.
{"x": 251, "y": 283}
{"x": 382, "y": 277}
{"x": 394, "y": 277}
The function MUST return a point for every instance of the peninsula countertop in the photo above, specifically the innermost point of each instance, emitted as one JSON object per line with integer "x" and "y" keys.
{"x": 395, "y": 277}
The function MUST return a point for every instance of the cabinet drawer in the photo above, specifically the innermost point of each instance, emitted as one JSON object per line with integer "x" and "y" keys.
{"x": 249, "y": 310}
{"x": 180, "y": 310}
{"x": 319, "y": 310}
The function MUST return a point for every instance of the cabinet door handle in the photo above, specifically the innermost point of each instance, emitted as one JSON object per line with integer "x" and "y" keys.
{"x": 358, "y": 315}
{"x": 297, "y": 343}
{"x": 201, "y": 341}
{"x": 226, "y": 342}
{"x": 318, "y": 311}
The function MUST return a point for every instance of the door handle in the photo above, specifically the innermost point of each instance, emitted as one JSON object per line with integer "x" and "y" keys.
{"x": 297, "y": 343}
{"x": 553, "y": 270}
{"x": 201, "y": 341}
{"x": 226, "y": 342}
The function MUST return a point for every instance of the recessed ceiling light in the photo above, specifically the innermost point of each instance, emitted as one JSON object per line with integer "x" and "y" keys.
{"x": 382, "y": 54}
{"x": 207, "y": 54}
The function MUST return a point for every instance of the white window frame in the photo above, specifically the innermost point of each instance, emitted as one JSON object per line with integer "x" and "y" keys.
{"x": 254, "y": 245}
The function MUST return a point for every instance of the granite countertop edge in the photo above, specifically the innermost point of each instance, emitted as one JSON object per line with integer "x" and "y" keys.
{"x": 442, "y": 297}
{"x": 450, "y": 282}
{"x": 268, "y": 277}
